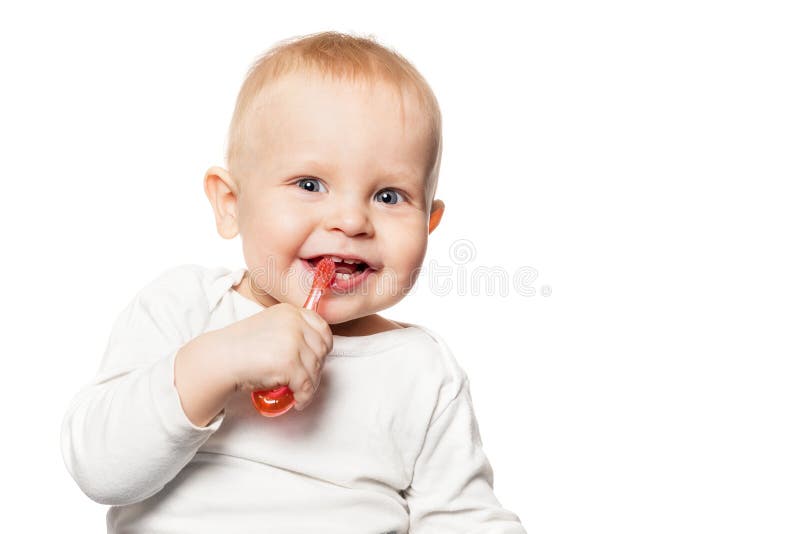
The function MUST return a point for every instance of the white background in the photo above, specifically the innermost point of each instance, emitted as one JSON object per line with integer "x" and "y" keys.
{"x": 641, "y": 156}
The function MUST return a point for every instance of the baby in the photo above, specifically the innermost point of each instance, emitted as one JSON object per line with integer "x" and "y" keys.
{"x": 334, "y": 150}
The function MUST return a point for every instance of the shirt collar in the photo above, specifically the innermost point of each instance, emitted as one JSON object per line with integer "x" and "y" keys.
{"x": 221, "y": 285}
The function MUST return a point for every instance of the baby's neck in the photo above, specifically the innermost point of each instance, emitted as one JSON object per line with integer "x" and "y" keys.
{"x": 364, "y": 326}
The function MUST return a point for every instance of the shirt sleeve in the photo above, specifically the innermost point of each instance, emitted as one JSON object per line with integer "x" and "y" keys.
{"x": 452, "y": 486}
{"x": 125, "y": 434}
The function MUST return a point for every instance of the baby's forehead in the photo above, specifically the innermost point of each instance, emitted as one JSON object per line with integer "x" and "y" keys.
{"x": 309, "y": 89}
{"x": 307, "y": 110}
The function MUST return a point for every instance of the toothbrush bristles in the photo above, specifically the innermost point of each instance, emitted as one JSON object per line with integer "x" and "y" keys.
{"x": 326, "y": 269}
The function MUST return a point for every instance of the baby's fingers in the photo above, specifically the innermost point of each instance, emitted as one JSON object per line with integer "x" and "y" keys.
{"x": 317, "y": 342}
{"x": 307, "y": 382}
{"x": 318, "y": 325}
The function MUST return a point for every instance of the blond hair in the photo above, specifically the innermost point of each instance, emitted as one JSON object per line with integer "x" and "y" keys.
{"x": 341, "y": 57}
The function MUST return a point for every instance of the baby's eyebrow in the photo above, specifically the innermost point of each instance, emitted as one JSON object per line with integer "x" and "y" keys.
{"x": 400, "y": 175}
{"x": 313, "y": 164}
{"x": 404, "y": 175}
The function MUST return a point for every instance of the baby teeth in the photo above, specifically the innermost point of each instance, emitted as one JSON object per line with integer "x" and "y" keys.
{"x": 343, "y": 276}
{"x": 342, "y": 260}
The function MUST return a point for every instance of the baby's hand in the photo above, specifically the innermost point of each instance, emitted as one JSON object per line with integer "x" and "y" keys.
{"x": 282, "y": 345}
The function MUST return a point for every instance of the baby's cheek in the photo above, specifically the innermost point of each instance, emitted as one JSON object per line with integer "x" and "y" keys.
{"x": 410, "y": 264}
{"x": 416, "y": 250}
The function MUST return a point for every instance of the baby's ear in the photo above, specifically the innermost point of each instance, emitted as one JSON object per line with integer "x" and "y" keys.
{"x": 437, "y": 210}
{"x": 222, "y": 193}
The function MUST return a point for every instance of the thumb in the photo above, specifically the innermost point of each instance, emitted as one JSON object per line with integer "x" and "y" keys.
{"x": 314, "y": 319}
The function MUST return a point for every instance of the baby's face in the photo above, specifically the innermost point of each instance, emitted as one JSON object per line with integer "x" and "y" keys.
{"x": 333, "y": 169}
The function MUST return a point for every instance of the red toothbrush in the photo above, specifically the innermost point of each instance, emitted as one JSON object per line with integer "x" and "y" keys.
{"x": 280, "y": 400}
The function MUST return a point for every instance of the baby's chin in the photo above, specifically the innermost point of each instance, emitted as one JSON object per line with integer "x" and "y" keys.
{"x": 340, "y": 315}
{"x": 361, "y": 326}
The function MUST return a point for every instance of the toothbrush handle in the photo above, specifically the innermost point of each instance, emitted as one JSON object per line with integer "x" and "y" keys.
{"x": 280, "y": 400}
{"x": 313, "y": 299}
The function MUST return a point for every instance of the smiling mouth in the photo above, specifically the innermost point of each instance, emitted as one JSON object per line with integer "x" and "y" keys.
{"x": 342, "y": 267}
{"x": 348, "y": 275}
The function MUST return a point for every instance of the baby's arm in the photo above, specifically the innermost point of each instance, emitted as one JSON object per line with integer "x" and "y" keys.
{"x": 202, "y": 387}
{"x": 451, "y": 489}
{"x": 125, "y": 435}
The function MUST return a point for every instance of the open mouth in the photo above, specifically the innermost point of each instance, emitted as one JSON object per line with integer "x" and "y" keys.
{"x": 343, "y": 266}
{"x": 350, "y": 272}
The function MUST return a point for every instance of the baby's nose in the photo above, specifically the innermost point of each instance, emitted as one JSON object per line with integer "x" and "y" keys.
{"x": 350, "y": 218}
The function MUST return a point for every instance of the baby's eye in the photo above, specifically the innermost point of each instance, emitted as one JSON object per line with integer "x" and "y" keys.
{"x": 308, "y": 184}
{"x": 389, "y": 196}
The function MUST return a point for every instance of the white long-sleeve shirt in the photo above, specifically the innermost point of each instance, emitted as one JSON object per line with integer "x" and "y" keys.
{"x": 389, "y": 444}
